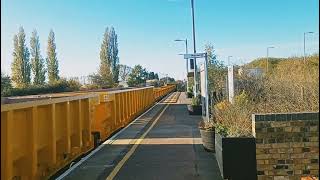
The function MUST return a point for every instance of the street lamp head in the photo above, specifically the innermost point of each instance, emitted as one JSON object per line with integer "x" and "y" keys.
{"x": 178, "y": 40}
{"x": 271, "y": 47}
{"x": 309, "y": 32}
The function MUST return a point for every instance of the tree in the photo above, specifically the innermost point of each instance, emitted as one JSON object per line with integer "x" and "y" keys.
{"x": 124, "y": 72}
{"x": 113, "y": 46}
{"x": 216, "y": 70}
{"x": 138, "y": 76}
{"x": 21, "y": 64}
{"x": 156, "y": 76}
{"x": 151, "y": 76}
{"x": 105, "y": 62}
{"x": 166, "y": 80}
{"x": 5, "y": 84}
{"x": 37, "y": 62}
{"x": 52, "y": 61}
{"x": 95, "y": 79}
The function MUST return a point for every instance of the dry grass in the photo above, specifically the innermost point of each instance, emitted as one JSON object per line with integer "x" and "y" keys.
{"x": 290, "y": 86}
{"x": 235, "y": 117}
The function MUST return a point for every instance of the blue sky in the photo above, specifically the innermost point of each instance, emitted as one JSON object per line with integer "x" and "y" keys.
{"x": 146, "y": 30}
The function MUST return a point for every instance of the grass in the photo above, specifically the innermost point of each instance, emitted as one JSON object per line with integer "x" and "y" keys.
{"x": 291, "y": 85}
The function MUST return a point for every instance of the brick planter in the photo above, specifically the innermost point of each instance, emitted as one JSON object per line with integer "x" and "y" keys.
{"x": 287, "y": 145}
{"x": 236, "y": 157}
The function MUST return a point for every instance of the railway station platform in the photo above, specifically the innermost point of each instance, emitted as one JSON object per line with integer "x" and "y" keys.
{"x": 163, "y": 143}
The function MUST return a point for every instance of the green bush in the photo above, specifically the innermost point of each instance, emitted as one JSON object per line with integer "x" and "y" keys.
{"x": 61, "y": 85}
{"x": 196, "y": 101}
{"x": 221, "y": 129}
{"x": 5, "y": 84}
{"x": 234, "y": 120}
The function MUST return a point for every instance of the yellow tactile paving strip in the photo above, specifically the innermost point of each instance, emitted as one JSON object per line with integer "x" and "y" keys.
{"x": 173, "y": 98}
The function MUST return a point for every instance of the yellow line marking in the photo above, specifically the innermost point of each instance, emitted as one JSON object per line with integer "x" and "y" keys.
{"x": 134, "y": 147}
{"x": 173, "y": 98}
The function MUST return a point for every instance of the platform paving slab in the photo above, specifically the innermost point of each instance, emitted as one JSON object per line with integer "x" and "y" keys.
{"x": 171, "y": 150}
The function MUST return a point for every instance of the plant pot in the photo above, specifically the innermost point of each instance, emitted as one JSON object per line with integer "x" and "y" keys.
{"x": 236, "y": 157}
{"x": 195, "y": 110}
{"x": 207, "y": 137}
{"x": 189, "y": 94}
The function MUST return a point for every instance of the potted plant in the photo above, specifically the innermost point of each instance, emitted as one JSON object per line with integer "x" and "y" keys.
{"x": 195, "y": 107}
{"x": 189, "y": 93}
{"x": 235, "y": 146}
{"x": 207, "y": 132}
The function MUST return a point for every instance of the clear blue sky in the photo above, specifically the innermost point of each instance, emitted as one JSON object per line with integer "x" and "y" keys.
{"x": 146, "y": 30}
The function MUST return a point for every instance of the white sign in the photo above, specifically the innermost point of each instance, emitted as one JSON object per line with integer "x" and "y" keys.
{"x": 230, "y": 84}
{"x": 195, "y": 55}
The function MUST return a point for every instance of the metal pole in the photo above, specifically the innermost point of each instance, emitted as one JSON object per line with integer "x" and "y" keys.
{"x": 206, "y": 80}
{"x": 267, "y": 60}
{"x": 167, "y": 78}
{"x": 229, "y": 60}
{"x": 304, "y": 48}
{"x": 187, "y": 60}
{"x": 304, "y": 60}
{"x": 187, "y": 65}
{"x": 304, "y": 45}
{"x": 194, "y": 49}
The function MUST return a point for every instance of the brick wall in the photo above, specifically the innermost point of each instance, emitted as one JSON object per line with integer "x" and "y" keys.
{"x": 287, "y": 145}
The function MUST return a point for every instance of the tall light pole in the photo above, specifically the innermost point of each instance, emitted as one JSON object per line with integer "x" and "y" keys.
{"x": 304, "y": 45}
{"x": 267, "y": 61}
{"x": 229, "y": 60}
{"x": 304, "y": 60}
{"x": 167, "y": 78}
{"x": 194, "y": 48}
{"x": 186, "y": 42}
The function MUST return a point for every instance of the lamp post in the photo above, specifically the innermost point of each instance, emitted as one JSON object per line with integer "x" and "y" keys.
{"x": 167, "y": 78}
{"x": 267, "y": 61}
{"x": 229, "y": 60}
{"x": 304, "y": 60}
{"x": 194, "y": 48}
{"x": 186, "y": 43}
{"x": 304, "y": 45}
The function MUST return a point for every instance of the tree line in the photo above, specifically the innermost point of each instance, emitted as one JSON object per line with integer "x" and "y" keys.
{"x": 31, "y": 73}
{"x": 23, "y": 65}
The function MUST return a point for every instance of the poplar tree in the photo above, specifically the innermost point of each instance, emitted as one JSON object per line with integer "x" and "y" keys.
{"x": 113, "y": 46}
{"x": 21, "y": 70}
{"x": 37, "y": 62}
{"x": 105, "y": 61}
{"x": 52, "y": 61}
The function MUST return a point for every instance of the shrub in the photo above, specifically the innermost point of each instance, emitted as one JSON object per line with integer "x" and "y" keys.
{"x": 196, "y": 101}
{"x": 5, "y": 84}
{"x": 207, "y": 125}
{"x": 73, "y": 85}
{"x": 61, "y": 85}
{"x": 234, "y": 120}
{"x": 290, "y": 86}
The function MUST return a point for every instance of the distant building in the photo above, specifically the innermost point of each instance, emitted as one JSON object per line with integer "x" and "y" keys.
{"x": 253, "y": 72}
{"x": 152, "y": 82}
{"x": 123, "y": 84}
